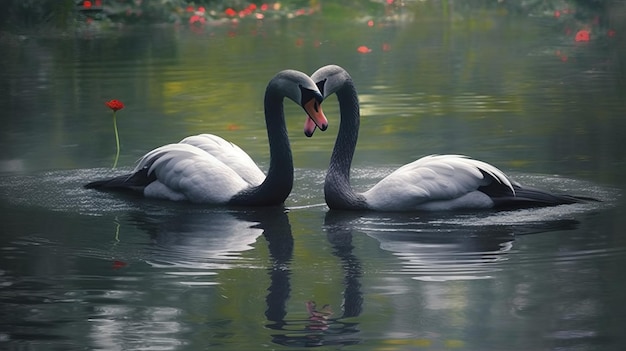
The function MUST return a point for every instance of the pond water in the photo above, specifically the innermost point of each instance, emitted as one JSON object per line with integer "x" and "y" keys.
{"x": 86, "y": 270}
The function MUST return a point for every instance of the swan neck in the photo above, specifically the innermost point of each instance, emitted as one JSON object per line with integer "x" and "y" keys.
{"x": 337, "y": 189}
{"x": 279, "y": 181}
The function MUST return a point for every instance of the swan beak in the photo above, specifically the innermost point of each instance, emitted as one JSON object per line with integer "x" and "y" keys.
{"x": 309, "y": 127}
{"x": 314, "y": 109}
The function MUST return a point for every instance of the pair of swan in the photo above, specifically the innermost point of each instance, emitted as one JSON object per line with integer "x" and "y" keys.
{"x": 209, "y": 170}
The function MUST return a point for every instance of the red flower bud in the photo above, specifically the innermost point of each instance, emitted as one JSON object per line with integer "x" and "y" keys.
{"x": 115, "y": 105}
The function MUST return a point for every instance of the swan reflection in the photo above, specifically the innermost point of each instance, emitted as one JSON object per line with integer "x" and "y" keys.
{"x": 431, "y": 248}
{"x": 324, "y": 326}
{"x": 195, "y": 244}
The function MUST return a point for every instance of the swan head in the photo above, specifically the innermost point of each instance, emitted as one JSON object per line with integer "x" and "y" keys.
{"x": 300, "y": 88}
{"x": 311, "y": 103}
{"x": 328, "y": 79}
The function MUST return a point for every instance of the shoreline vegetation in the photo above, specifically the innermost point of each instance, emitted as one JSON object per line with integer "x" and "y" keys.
{"x": 24, "y": 16}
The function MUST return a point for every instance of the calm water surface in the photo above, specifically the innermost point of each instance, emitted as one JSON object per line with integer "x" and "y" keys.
{"x": 87, "y": 270}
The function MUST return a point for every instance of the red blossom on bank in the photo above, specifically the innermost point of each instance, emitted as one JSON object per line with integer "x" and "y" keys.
{"x": 115, "y": 105}
{"x": 197, "y": 19}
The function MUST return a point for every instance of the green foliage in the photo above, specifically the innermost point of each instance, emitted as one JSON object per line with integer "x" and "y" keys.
{"x": 130, "y": 11}
{"x": 30, "y": 13}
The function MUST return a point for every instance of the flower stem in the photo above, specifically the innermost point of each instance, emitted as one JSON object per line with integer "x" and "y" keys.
{"x": 117, "y": 230}
{"x": 117, "y": 141}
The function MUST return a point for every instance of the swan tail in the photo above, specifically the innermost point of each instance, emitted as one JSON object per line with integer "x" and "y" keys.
{"x": 530, "y": 197}
{"x": 134, "y": 182}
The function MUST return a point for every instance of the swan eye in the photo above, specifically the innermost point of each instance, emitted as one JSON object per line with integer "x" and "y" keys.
{"x": 308, "y": 95}
{"x": 320, "y": 85}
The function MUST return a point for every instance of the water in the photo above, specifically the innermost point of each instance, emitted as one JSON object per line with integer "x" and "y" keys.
{"x": 86, "y": 270}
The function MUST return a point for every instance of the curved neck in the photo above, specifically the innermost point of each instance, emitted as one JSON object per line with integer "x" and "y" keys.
{"x": 337, "y": 189}
{"x": 279, "y": 181}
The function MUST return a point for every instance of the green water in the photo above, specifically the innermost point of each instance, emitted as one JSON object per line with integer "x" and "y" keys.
{"x": 86, "y": 270}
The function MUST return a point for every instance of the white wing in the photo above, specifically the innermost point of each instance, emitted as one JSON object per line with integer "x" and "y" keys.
{"x": 230, "y": 154}
{"x": 185, "y": 172}
{"x": 432, "y": 179}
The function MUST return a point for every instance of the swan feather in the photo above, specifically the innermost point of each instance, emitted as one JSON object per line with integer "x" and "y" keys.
{"x": 185, "y": 172}
{"x": 230, "y": 154}
{"x": 435, "y": 178}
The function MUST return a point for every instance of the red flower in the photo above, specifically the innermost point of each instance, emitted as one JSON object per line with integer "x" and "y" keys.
{"x": 114, "y": 105}
{"x": 196, "y": 18}
{"x": 87, "y": 4}
{"x": 582, "y": 35}
{"x": 230, "y": 12}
